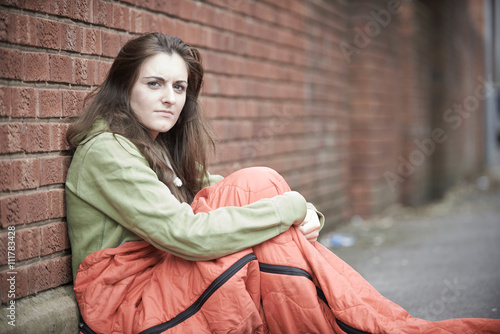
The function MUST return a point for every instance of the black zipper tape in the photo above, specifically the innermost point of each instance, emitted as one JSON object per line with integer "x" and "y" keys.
{"x": 294, "y": 271}
{"x": 196, "y": 306}
{"x": 218, "y": 282}
{"x": 348, "y": 329}
{"x": 283, "y": 270}
{"x": 82, "y": 326}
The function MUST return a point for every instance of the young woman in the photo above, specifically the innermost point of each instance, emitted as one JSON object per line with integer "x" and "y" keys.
{"x": 158, "y": 244}
{"x": 140, "y": 159}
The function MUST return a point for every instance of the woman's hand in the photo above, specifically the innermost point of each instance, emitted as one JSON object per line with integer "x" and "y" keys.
{"x": 310, "y": 226}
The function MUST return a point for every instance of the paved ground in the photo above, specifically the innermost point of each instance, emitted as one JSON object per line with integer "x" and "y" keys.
{"x": 439, "y": 261}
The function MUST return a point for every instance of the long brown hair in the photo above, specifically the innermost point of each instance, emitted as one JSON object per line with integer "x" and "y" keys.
{"x": 185, "y": 144}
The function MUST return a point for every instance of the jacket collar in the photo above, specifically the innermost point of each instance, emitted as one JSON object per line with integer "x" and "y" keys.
{"x": 99, "y": 126}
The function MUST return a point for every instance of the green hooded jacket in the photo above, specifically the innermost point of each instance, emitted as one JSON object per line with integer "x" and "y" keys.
{"x": 113, "y": 196}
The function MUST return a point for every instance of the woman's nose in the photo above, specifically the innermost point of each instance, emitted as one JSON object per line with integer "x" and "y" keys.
{"x": 168, "y": 96}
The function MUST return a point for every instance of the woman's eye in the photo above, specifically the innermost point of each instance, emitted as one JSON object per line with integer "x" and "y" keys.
{"x": 179, "y": 88}
{"x": 154, "y": 84}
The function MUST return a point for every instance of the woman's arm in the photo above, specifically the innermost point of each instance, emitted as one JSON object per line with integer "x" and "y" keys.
{"x": 115, "y": 178}
{"x": 311, "y": 224}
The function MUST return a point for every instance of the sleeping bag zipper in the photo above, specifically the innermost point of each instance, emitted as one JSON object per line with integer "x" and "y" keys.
{"x": 84, "y": 328}
{"x": 196, "y": 306}
{"x": 294, "y": 271}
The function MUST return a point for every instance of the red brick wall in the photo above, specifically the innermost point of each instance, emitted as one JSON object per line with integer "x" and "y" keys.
{"x": 275, "y": 94}
{"x": 280, "y": 91}
{"x": 272, "y": 92}
{"x": 375, "y": 36}
{"x": 416, "y": 109}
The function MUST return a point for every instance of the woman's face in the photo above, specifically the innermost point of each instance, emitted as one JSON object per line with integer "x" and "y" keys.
{"x": 159, "y": 94}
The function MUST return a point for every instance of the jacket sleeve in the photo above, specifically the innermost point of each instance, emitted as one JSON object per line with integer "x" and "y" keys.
{"x": 212, "y": 179}
{"x": 116, "y": 179}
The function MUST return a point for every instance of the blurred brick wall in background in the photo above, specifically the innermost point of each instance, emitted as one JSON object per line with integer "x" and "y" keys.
{"x": 332, "y": 94}
{"x": 458, "y": 90}
{"x": 416, "y": 105}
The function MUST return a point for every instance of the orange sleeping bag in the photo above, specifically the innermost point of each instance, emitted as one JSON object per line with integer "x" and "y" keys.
{"x": 284, "y": 285}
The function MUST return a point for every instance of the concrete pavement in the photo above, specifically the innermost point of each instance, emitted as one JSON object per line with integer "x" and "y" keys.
{"x": 439, "y": 261}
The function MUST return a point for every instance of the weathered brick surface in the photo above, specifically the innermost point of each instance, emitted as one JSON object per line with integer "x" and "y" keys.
{"x": 332, "y": 94}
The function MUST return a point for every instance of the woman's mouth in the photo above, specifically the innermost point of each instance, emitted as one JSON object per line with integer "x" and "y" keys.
{"x": 165, "y": 112}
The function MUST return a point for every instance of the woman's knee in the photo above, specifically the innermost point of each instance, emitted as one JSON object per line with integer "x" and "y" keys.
{"x": 257, "y": 179}
{"x": 242, "y": 187}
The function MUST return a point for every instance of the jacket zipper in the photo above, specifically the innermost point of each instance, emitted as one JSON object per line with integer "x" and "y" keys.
{"x": 294, "y": 271}
{"x": 196, "y": 306}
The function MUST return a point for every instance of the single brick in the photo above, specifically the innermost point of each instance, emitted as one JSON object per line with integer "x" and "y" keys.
{"x": 82, "y": 10}
{"x": 91, "y": 41}
{"x": 12, "y": 210}
{"x": 6, "y": 176}
{"x": 48, "y": 34}
{"x": 40, "y": 276}
{"x": 168, "y": 25}
{"x": 61, "y": 68}
{"x": 62, "y": 271}
{"x": 73, "y": 102}
{"x": 55, "y": 238}
{"x": 23, "y": 102}
{"x": 57, "y": 204}
{"x": 82, "y": 71}
{"x": 71, "y": 37}
{"x": 51, "y": 170}
{"x": 110, "y": 44}
{"x": 120, "y": 17}
{"x": 18, "y": 29}
{"x": 5, "y": 101}
{"x": 102, "y": 12}
{"x": 11, "y": 139}
{"x": 58, "y": 137}
{"x": 38, "y": 137}
{"x": 94, "y": 72}
{"x": 137, "y": 21}
{"x": 61, "y": 7}
{"x": 11, "y": 64}
{"x": 56, "y": 140}
{"x": 36, "y": 66}
{"x": 150, "y": 21}
{"x": 26, "y": 174}
{"x": 185, "y": 10}
{"x": 28, "y": 243}
{"x": 49, "y": 103}
{"x": 37, "y": 206}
